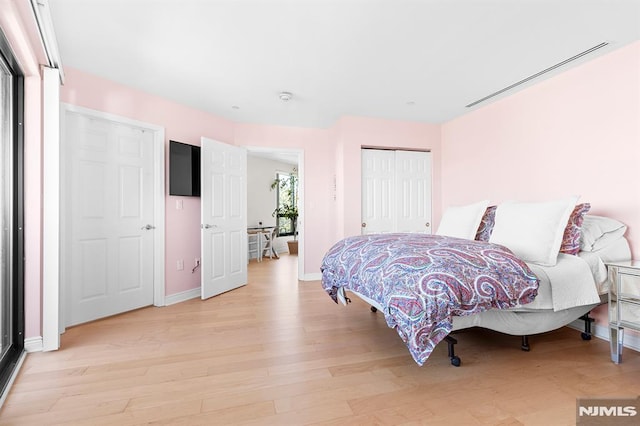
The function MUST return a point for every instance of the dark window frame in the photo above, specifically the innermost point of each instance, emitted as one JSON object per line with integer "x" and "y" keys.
{"x": 9, "y": 361}
{"x": 285, "y": 223}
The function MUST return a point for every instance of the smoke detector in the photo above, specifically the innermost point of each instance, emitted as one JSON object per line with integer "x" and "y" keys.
{"x": 285, "y": 96}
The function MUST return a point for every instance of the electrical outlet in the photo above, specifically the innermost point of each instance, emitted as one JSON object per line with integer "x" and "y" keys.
{"x": 180, "y": 265}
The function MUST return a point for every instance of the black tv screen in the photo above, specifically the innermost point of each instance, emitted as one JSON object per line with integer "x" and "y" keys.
{"x": 184, "y": 169}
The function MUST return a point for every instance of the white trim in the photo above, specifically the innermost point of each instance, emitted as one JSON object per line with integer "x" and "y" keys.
{"x": 42, "y": 13}
{"x": 14, "y": 375}
{"x": 51, "y": 209}
{"x": 183, "y": 296}
{"x": 158, "y": 208}
{"x": 33, "y": 344}
{"x": 631, "y": 341}
{"x": 301, "y": 216}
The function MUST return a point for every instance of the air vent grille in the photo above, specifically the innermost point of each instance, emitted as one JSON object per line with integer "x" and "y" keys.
{"x": 538, "y": 74}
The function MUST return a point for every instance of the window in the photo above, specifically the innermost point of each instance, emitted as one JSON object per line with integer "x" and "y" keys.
{"x": 11, "y": 214}
{"x": 287, "y": 203}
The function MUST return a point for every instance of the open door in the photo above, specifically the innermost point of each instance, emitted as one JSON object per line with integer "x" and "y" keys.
{"x": 223, "y": 217}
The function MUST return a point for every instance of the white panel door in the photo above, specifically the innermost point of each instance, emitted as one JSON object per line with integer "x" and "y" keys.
{"x": 109, "y": 237}
{"x": 413, "y": 191}
{"x": 396, "y": 191}
{"x": 224, "y": 217}
{"x": 378, "y": 191}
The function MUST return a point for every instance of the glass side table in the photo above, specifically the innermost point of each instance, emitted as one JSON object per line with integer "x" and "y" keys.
{"x": 624, "y": 303}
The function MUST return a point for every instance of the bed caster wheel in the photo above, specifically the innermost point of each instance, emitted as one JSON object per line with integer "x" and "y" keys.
{"x": 374, "y": 309}
{"x": 455, "y": 361}
{"x": 585, "y": 336}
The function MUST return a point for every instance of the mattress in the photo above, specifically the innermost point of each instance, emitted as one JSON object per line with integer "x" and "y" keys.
{"x": 522, "y": 323}
{"x": 540, "y": 315}
{"x": 568, "y": 284}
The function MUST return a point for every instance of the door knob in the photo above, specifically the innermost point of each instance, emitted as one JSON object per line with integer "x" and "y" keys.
{"x": 427, "y": 224}
{"x": 207, "y": 226}
{"x": 148, "y": 227}
{"x": 364, "y": 224}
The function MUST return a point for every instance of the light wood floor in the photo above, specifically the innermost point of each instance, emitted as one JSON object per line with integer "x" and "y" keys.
{"x": 280, "y": 352}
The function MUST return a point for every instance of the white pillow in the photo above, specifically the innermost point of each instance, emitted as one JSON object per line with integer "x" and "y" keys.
{"x": 598, "y": 232}
{"x": 462, "y": 221}
{"x": 533, "y": 231}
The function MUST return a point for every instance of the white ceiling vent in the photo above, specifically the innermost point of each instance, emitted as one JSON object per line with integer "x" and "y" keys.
{"x": 538, "y": 74}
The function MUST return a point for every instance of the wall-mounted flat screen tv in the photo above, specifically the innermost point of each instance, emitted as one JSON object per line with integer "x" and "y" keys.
{"x": 184, "y": 169}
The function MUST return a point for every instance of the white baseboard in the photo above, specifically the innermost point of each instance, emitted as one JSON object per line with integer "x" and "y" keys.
{"x": 33, "y": 344}
{"x": 312, "y": 277}
{"x": 182, "y": 296}
{"x": 631, "y": 341}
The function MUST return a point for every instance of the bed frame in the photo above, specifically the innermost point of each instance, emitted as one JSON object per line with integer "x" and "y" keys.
{"x": 561, "y": 319}
{"x": 527, "y": 322}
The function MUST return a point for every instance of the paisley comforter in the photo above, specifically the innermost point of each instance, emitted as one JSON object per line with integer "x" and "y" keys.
{"x": 423, "y": 280}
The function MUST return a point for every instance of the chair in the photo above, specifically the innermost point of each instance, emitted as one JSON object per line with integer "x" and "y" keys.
{"x": 269, "y": 238}
{"x": 254, "y": 242}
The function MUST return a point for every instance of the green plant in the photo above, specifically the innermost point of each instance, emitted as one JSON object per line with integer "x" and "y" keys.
{"x": 287, "y": 187}
{"x": 286, "y": 210}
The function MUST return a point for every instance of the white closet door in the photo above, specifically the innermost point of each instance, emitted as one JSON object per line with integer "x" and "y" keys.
{"x": 110, "y": 218}
{"x": 413, "y": 191}
{"x": 396, "y": 191}
{"x": 378, "y": 189}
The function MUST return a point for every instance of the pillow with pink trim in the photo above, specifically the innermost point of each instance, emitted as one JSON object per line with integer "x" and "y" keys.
{"x": 571, "y": 238}
{"x": 486, "y": 224}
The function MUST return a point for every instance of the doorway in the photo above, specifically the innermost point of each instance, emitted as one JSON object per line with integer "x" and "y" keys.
{"x": 284, "y": 161}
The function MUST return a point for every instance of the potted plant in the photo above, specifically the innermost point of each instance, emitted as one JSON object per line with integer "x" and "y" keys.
{"x": 288, "y": 207}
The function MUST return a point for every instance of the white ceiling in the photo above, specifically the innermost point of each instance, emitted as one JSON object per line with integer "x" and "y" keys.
{"x": 395, "y": 59}
{"x": 282, "y": 156}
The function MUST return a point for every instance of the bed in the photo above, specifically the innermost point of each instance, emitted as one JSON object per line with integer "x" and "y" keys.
{"x": 429, "y": 286}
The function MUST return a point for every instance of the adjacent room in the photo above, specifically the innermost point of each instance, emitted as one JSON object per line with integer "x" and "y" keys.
{"x": 319, "y": 212}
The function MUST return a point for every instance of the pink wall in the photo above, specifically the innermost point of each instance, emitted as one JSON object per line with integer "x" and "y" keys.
{"x": 33, "y": 207}
{"x": 20, "y": 30}
{"x": 318, "y": 170}
{"x": 576, "y": 133}
{"x": 355, "y": 132}
{"x": 332, "y": 170}
{"x": 321, "y": 206}
{"x": 181, "y": 123}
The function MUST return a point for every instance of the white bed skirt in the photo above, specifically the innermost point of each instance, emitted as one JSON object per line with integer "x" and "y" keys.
{"x": 522, "y": 323}
{"x": 504, "y": 321}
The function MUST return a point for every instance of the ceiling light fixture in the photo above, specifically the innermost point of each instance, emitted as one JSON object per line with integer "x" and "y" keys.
{"x": 285, "y": 96}
{"x": 538, "y": 74}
